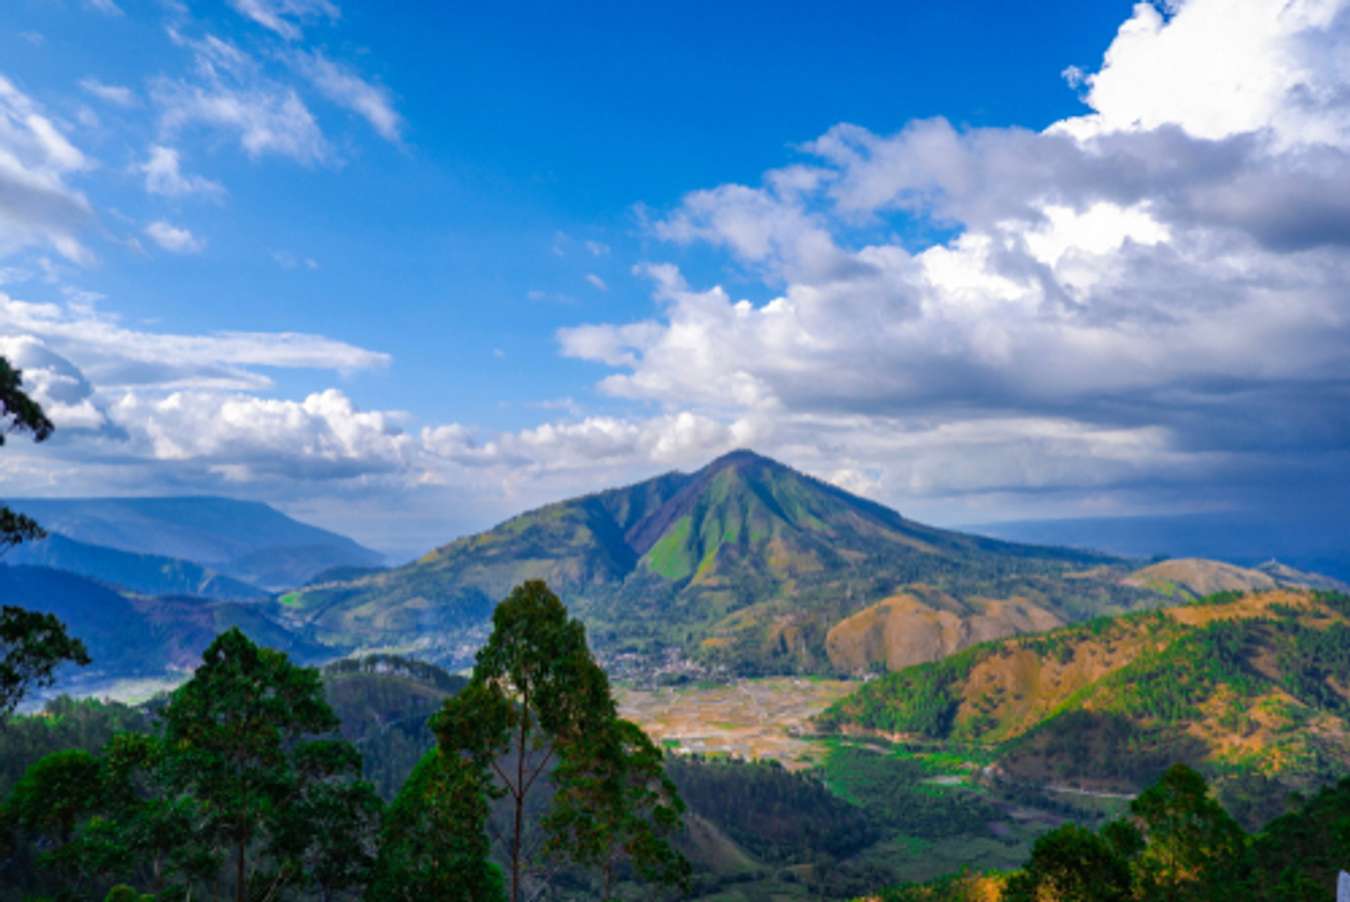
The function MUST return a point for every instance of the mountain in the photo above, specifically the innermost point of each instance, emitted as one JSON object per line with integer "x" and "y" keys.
{"x": 143, "y": 574}
{"x": 1316, "y": 541}
{"x": 1253, "y": 688}
{"x": 745, "y": 565}
{"x": 138, "y": 637}
{"x": 245, "y": 540}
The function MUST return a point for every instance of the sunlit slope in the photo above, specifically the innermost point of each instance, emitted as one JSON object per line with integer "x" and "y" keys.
{"x": 745, "y": 563}
{"x": 1249, "y": 685}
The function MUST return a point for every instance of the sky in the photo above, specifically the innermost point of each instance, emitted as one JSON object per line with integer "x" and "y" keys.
{"x": 406, "y": 269}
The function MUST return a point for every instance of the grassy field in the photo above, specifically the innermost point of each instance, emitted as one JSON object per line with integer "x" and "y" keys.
{"x": 753, "y": 719}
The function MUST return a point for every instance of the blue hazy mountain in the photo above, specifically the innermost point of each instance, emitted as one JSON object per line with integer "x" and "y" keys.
{"x": 1308, "y": 542}
{"x": 142, "y": 574}
{"x": 245, "y": 540}
{"x": 137, "y": 636}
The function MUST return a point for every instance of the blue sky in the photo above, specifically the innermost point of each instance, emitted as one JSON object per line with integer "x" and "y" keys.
{"x": 432, "y": 265}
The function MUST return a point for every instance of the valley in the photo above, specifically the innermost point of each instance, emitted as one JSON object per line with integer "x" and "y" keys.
{"x": 756, "y": 719}
{"x": 845, "y": 698}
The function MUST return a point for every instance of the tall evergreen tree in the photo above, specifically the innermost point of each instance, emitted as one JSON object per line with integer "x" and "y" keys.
{"x": 247, "y": 739}
{"x": 615, "y": 805}
{"x": 539, "y": 714}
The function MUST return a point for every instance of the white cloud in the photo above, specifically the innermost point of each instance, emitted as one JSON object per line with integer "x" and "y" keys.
{"x": 127, "y": 402}
{"x": 37, "y": 206}
{"x": 163, "y": 175}
{"x": 117, "y": 95}
{"x": 54, "y": 382}
{"x": 173, "y": 238}
{"x": 597, "y": 248}
{"x": 596, "y": 282}
{"x": 288, "y": 260}
{"x": 344, "y": 87}
{"x": 107, "y": 7}
{"x": 119, "y": 358}
{"x": 232, "y": 93}
{"x": 267, "y": 119}
{"x": 1217, "y": 68}
{"x": 285, "y": 17}
{"x": 1131, "y": 298}
{"x": 245, "y": 438}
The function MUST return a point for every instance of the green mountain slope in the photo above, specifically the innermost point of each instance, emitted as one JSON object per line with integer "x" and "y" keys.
{"x": 744, "y": 565}
{"x": 143, "y": 574}
{"x": 246, "y": 540}
{"x": 1255, "y": 689}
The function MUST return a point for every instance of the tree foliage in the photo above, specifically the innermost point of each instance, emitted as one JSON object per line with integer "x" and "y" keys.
{"x": 32, "y": 644}
{"x": 285, "y": 803}
{"x": 539, "y": 718}
{"x": 433, "y": 841}
{"x": 1072, "y": 864}
{"x": 244, "y": 787}
{"x": 1193, "y": 849}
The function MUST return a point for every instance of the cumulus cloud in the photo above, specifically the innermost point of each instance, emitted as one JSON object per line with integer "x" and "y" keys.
{"x": 596, "y": 282}
{"x": 244, "y": 438}
{"x": 126, "y": 400}
{"x": 173, "y": 238}
{"x": 54, "y": 382}
{"x": 37, "y": 205}
{"x": 1132, "y": 297}
{"x": 164, "y": 175}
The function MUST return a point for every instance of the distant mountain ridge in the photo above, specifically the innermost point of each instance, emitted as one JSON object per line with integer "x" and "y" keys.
{"x": 246, "y": 540}
{"x": 1316, "y": 542}
{"x": 143, "y": 574}
{"x": 745, "y": 564}
{"x": 139, "y": 637}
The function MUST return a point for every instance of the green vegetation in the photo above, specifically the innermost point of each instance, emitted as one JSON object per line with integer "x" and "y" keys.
{"x": 922, "y": 700}
{"x": 897, "y": 793}
{"x": 775, "y": 815}
{"x": 1175, "y": 843}
{"x": 239, "y": 783}
{"x": 385, "y": 704}
{"x": 241, "y": 786}
{"x": 538, "y": 703}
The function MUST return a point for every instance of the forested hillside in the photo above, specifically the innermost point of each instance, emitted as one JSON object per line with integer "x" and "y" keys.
{"x": 1252, "y": 689}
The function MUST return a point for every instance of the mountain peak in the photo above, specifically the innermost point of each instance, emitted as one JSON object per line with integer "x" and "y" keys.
{"x": 738, "y": 458}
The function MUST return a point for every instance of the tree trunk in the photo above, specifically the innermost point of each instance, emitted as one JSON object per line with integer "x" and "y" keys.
{"x": 519, "y": 796}
{"x": 239, "y": 892}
